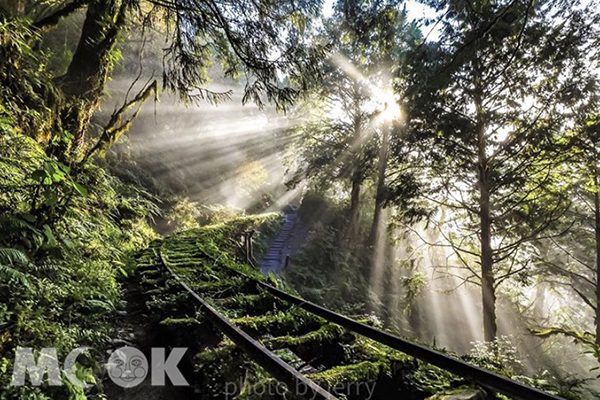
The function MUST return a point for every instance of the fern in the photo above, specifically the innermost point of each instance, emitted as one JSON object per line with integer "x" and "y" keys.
{"x": 9, "y": 259}
{"x": 14, "y": 276}
{"x": 13, "y": 256}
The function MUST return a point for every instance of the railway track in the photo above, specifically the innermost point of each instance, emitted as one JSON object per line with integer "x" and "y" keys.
{"x": 249, "y": 332}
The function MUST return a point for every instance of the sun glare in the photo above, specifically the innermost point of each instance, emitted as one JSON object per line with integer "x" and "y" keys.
{"x": 391, "y": 109}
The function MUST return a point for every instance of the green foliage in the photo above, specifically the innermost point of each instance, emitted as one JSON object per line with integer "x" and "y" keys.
{"x": 28, "y": 98}
{"x": 183, "y": 215}
{"x": 364, "y": 372}
{"x": 498, "y": 355}
{"x": 204, "y": 258}
{"x": 587, "y": 339}
{"x": 317, "y": 267}
{"x": 67, "y": 237}
{"x": 217, "y": 213}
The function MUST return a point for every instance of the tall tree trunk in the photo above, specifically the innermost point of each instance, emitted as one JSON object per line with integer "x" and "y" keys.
{"x": 83, "y": 84}
{"x": 597, "y": 238}
{"x": 380, "y": 196}
{"x": 354, "y": 207}
{"x": 487, "y": 262}
{"x": 357, "y": 173}
{"x": 488, "y": 291}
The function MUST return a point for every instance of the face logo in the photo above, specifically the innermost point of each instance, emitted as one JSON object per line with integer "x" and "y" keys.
{"x": 127, "y": 367}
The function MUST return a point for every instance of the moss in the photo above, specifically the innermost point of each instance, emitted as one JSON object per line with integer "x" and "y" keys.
{"x": 225, "y": 287}
{"x": 225, "y": 351}
{"x": 150, "y": 272}
{"x": 148, "y": 266}
{"x": 463, "y": 393}
{"x": 152, "y": 281}
{"x": 295, "y": 320}
{"x": 251, "y": 304}
{"x": 326, "y": 334}
{"x": 365, "y": 371}
{"x": 187, "y": 262}
{"x": 218, "y": 367}
{"x": 180, "y": 321}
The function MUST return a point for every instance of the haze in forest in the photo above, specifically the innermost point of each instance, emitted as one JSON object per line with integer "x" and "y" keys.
{"x": 441, "y": 159}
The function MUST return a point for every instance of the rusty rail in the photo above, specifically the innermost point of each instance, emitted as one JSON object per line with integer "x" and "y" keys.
{"x": 265, "y": 358}
{"x": 487, "y": 379}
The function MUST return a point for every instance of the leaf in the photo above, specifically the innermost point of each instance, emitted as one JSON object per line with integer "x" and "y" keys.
{"x": 29, "y": 217}
{"x": 49, "y": 235}
{"x": 80, "y": 189}
{"x": 51, "y": 197}
{"x": 39, "y": 175}
{"x": 58, "y": 176}
{"x": 13, "y": 256}
{"x": 99, "y": 304}
{"x": 64, "y": 167}
{"x": 15, "y": 276}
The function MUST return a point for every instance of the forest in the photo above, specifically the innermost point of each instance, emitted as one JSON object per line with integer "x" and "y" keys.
{"x": 429, "y": 168}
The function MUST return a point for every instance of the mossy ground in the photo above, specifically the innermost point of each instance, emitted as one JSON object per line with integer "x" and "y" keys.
{"x": 209, "y": 259}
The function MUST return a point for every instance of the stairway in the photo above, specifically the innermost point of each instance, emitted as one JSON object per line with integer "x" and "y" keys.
{"x": 274, "y": 260}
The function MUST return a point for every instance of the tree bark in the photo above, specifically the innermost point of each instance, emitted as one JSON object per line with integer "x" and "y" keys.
{"x": 83, "y": 84}
{"x": 354, "y": 207}
{"x": 597, "y": 238}
{"x": 380, "y": 196}
{"x": 487, "y": 262}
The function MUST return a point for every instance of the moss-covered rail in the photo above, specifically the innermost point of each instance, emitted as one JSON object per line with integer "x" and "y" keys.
{"x": 248, "y": 334}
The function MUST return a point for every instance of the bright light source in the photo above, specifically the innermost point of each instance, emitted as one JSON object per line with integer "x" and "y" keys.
{"x": 391, "y": 110}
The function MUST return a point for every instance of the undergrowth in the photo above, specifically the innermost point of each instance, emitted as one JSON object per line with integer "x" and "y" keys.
{"x": 67, "y": 232}
{"x": 208, "y": 259}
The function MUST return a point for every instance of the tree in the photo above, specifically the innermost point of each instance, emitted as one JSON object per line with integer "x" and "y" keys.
{"x": 572, "y": 258}
{"x": 344, "y": 135}
{"x": 491, "y": 107}
{"x": 263, "y": 42}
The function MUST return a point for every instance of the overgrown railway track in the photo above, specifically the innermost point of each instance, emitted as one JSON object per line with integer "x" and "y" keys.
{"x": 309, "y": 348}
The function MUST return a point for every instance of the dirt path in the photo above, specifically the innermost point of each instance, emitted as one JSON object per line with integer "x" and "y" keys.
{"x": 136, "y": 329}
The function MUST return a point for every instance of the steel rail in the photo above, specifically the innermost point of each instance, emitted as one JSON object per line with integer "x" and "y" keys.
{"x": 487, "y": 379}
{"x": 297, "y": 383}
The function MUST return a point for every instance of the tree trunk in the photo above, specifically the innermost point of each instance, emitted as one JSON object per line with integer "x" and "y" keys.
{"x": 380, "y": 196}
{"x": 83, "y": 84}
{"x": 487, "y": 262}
{"x": 354, "y": 207}
{"x": 597, "y": 238}
{"x": 357, "y": 172}
{"x": 488, "y": 291}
